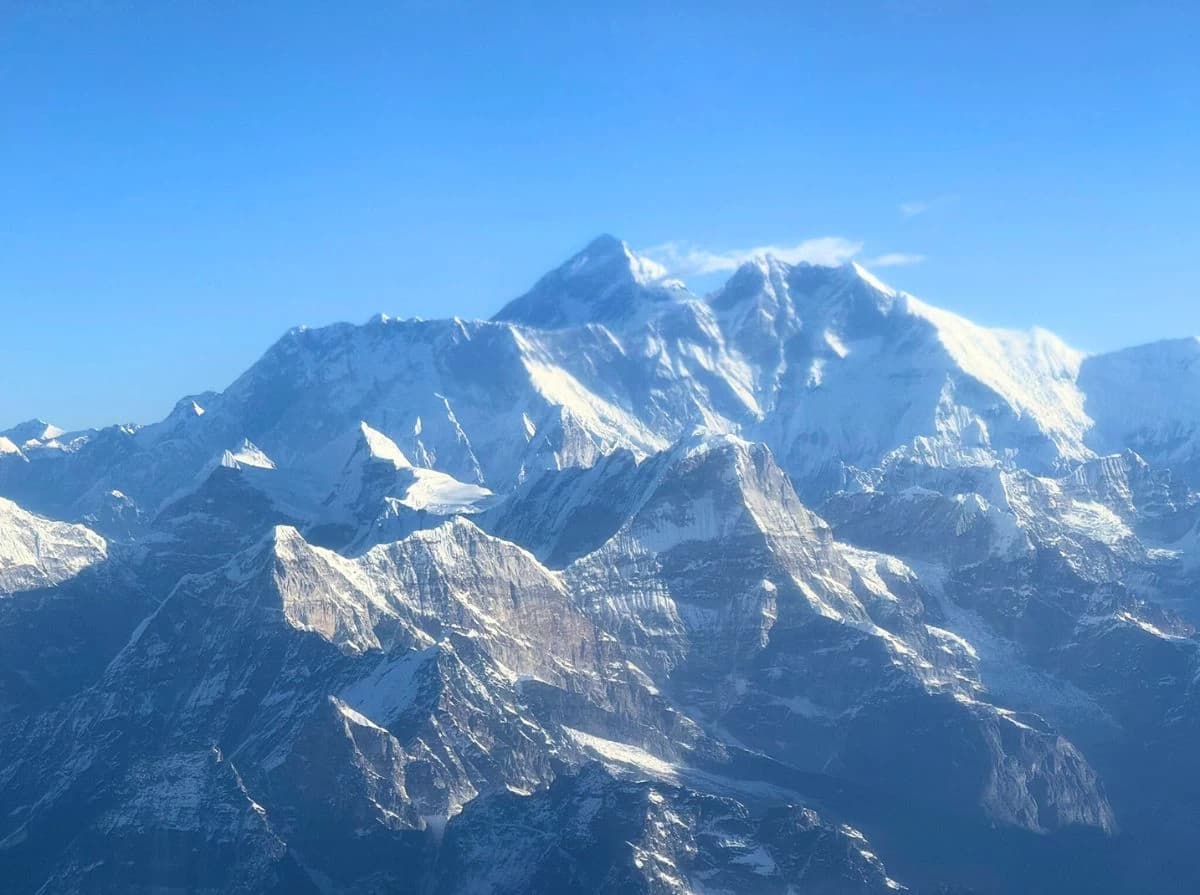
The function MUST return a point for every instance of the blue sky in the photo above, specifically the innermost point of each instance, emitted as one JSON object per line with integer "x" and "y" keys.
{"x": 180, "y": 182}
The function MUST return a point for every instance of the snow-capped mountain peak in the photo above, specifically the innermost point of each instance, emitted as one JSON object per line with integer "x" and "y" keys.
{"x": 827, "y": 343}
{"x": 37, "y": 552}
{"x": 34, "y": 430}
{"x": 380, "y": 447}
{"x": 246, "y": 454}
{"x": 606, "y": 282}
{"x": 785, "y": 298}
{"x": 608, "y": 254}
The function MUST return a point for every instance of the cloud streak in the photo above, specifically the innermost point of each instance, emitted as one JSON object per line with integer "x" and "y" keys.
{"x": 685, "y": 259}
{"x": 894, "y": 259}
{"x": 920, "y": 206}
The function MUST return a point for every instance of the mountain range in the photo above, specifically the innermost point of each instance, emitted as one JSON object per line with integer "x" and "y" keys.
{"x": 802, "y": 586}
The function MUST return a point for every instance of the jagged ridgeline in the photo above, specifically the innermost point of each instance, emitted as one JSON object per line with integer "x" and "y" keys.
{"x": 803, "y": 586}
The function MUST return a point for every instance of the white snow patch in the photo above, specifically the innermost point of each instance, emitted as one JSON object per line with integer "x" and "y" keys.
{"x": 441, "y": 494}
{"x": 383, "y": 448}
{"x": 1146, "y": 626}
{"x": 247, "y": 454}
{"x": 758, "y": 860}
{"x": 624, "y": 754}
{"x": 37, "y": 552}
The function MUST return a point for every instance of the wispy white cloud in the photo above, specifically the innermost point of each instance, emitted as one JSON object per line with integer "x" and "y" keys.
{"x": 894, "y": 259}
{"x": 920, "y": 206}
{"x": 684, "y": 259}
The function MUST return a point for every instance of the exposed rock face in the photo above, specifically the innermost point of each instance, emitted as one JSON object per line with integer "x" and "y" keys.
{"x": 592, "y": 833}
{"x": 808, "y": 586}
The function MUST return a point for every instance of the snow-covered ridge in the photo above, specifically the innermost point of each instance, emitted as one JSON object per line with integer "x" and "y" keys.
{"x": 1034, "y": 371}
{"x": 37, "y": 552}
{"x": 836, "y": 371}
{"x": 247, "y": 454}
{"x": 1148, "y": 398}
{"x": 606, "y": 282}
{"x": 35, "y": 431}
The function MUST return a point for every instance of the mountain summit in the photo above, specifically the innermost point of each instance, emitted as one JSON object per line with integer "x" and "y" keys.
{"x": 606, "y": 283}
{"x": 32, "y": 430}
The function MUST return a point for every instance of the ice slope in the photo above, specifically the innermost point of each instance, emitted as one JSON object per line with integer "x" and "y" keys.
{"x": 850, "y": 371}
{"x": 1147, "y": 399}
{"x": 37, "y": 552}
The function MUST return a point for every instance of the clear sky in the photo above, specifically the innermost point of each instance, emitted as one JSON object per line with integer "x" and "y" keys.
{"x": 183, "y": 180}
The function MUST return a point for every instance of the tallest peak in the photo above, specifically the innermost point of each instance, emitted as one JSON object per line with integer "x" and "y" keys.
{"x": 612, "y": 257}
{"x": 606, "y": 243}
{"x": 605, "y": 282}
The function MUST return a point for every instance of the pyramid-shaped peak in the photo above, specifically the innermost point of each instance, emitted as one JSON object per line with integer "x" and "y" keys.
{"x": 614, "y": 256}
{"x": 606, "y": 243}
{"x": 32, "y": 430}
{"x": 246, "y": 454}
{"x": 604, "y": 262}
{"x": 605, "y": 282}
{"x": 380, "y": 447}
